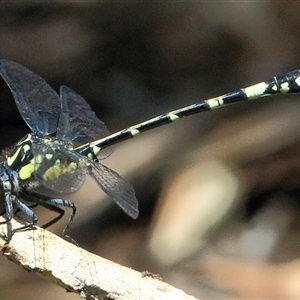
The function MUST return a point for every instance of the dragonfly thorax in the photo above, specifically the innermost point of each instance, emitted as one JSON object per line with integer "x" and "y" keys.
{"x": 42, "y": 157}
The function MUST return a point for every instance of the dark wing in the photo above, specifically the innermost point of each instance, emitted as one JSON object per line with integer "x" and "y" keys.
{"x": 57, "y": 168}
{"x": 37, "y": 102}
{"x": 78, "y": 124}
{"x": 115, "y": 187}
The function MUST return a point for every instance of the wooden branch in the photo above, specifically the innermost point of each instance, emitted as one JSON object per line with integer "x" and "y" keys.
{"x": 76, "y": 270}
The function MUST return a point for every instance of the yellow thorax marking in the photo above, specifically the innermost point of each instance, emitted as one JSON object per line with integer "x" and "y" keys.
{"x": 26, "y": 171}
{"x": 11, "y": 159}
{"x": 59, "y": 169}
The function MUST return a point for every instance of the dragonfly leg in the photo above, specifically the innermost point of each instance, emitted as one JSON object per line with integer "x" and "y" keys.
{"x": 55, "y": 204}
{"x": 42, "y": 201}
{"x": 9, "y": 211}
{"x": 27, "y": 211}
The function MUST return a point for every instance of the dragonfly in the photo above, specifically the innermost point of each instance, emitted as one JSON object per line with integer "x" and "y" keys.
{"x": 67, "y": 142}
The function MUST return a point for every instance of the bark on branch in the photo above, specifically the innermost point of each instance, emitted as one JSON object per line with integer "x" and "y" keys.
{"x": 79, "y": 271}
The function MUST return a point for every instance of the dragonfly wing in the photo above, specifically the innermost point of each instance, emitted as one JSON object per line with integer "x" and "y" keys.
{"x": 78, "y": 124}
{"x": 37, "y": 102}
{"x": 115, "y": 187}
{"x": 57, "y": 168}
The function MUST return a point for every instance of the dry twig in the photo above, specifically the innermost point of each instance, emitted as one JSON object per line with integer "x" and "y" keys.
{"x": 79, "y": 271}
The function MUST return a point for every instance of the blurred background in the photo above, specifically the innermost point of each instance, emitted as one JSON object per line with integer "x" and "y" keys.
{"x": 219, "y": 192}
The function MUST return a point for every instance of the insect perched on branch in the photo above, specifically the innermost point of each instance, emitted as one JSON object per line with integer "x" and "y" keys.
{"x": 67, "y": 140}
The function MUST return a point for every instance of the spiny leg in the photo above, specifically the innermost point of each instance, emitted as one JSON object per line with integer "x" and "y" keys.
{"x": 8, "y": 216}
{"x": 56, "y": 209}
{"x": 41, "y": 200}
{"x": 9, "y": 211}
{"x": 27, "y": 211}
{"x": 53, "y": 205}
{"x": 19, "y": 210}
